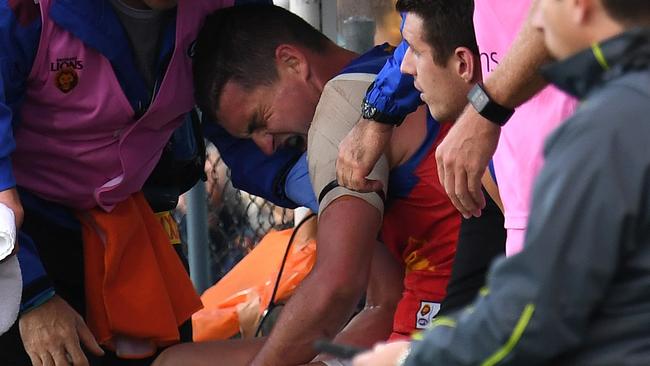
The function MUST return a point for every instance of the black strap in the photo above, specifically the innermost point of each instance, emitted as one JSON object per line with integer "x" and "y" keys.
{"x": 333, "y": 184}
{"x": 272, "y": 303}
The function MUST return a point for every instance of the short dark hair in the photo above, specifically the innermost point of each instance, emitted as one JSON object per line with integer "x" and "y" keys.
{"x": 448, "y": 24}
{"x": 630, "y": 12}
{"x": 238, "y": 43}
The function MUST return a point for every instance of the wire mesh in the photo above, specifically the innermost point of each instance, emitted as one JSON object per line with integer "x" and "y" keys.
{"x": 237, "y": 220}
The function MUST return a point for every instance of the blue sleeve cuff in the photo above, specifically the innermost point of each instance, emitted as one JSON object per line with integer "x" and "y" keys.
{"x": 37, "y": 287}
{"x": 393, "y": 93}
{"x": 37, "y": 300}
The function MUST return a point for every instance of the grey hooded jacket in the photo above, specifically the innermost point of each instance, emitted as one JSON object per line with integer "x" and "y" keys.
{"x": 579, "y": 292}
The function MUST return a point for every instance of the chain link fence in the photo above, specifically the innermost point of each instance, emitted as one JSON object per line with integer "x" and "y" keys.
{"x": 237, "y": 221}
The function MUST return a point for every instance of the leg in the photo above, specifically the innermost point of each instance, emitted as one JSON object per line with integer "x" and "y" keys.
{"x": 234, "y": 352}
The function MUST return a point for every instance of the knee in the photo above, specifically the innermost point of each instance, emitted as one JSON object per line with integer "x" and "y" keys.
{"x": 167, "y": 358}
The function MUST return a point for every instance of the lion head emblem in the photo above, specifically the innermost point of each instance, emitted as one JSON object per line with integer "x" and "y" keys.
{"x": 66, "y": 79}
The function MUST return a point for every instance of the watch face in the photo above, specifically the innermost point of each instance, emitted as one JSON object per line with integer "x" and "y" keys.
{"x": 478, "y": 98}
{"x": 368, "y": 111}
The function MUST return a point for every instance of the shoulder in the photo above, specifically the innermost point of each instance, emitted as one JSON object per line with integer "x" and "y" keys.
{"x": 609, "y": 122}
{"x": 339, "y": 106}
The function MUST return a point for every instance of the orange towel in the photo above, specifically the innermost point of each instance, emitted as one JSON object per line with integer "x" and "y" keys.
{"x": 239, "y": 299}
{"x": 136, "y": 286}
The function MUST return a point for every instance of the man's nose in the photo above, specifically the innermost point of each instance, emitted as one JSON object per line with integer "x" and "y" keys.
{"x": 407, "y": 66}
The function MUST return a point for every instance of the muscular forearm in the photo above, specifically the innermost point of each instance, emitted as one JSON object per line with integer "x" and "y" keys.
{"x": 326, "y": 299}
{"x": 517, "y": 79}
{"x": 375, "y": 322}
{"x": 314, "y": 312}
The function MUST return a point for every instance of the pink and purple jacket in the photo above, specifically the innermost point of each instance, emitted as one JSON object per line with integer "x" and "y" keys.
{"x": 84, "y": 129}
{"x": 87, "y": 146}
{"x": 518, "y": 158}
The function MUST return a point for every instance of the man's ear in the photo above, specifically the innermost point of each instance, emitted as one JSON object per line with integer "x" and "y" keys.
{"x": 466, "y": 65}
{"x": 584, "y": 11}
{"x": 290, "y": 59}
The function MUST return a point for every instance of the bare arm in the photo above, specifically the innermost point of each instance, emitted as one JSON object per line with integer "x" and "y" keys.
{"x": 375, "y": 322}
{"x": 464, "y": 154}
{"x": 327, "y": 297}
{"x": 517, "y": 79}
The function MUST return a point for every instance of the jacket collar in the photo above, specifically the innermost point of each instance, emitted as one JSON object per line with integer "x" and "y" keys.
{"x": 578, "y": 75}
{"x": 95, "y": 23}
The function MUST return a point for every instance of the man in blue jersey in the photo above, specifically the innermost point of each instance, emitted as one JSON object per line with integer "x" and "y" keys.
{"x": 271, "y": 103}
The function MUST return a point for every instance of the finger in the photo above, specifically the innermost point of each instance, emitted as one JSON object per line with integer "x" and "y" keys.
{"x": 379, "y": 347}
{"x": 362, "y": 359}
{"x": 351, "y": 180}
{"x": 371, "y": 185}
{"x": 339, "y": 177}
{"x": 450, "y": 188}
{"x": 341, "y": 172}
{"x": 46, "y": 359}
{"x": 343, "y": 164}
{"x": 462, "y": 193}
{"x": 35, "y": 359}
{"x": 77, "y": 356}
{"x": 359, "y": 182}
{"x": 476, "y": 193}
{"x": 340, "y": 166}
{"x": 88, "y": 340}
{"x": 440, "y": 163}
{"x": 59, "y": 357}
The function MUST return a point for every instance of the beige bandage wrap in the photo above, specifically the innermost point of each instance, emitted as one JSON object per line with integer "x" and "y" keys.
{"x": 338, "y": 110}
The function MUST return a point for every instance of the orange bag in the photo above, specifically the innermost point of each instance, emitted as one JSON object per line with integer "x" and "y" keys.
{"x": 236, "y": 303}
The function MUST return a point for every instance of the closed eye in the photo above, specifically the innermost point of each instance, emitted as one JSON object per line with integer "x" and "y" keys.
{"x": 254, "y": 125}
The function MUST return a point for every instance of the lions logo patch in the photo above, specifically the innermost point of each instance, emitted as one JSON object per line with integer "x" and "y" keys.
{"x": 425, "y": 314}
{"x": 66, "y": 79}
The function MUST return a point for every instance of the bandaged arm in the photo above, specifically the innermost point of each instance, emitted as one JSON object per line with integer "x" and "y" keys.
{"x": 338, "y": 111}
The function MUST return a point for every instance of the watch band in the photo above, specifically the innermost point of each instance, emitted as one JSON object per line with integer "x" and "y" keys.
{"x": 368, "y": 111}
{"x": 488, "y": 108}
